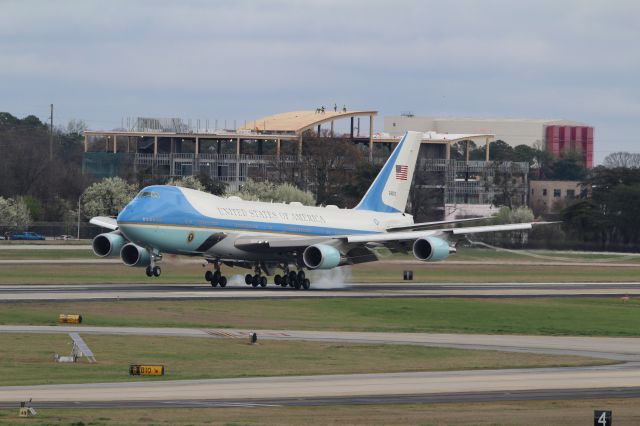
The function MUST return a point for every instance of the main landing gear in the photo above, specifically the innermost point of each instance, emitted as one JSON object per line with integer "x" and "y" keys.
{"x": 257, "y": 279}
{"x": 216, "y": 276}
{"x": 293, "y": 279}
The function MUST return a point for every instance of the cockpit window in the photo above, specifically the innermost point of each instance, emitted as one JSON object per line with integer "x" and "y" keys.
{"x": 148, "y": 194}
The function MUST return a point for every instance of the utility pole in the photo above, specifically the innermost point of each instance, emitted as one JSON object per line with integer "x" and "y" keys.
{"x": 51, "y": 134}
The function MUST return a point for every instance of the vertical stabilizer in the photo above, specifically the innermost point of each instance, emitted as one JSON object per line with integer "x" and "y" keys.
{"x": 389, "y": 191}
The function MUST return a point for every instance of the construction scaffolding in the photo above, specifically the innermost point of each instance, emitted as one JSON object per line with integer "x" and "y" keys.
{"x": 448, "y": 184}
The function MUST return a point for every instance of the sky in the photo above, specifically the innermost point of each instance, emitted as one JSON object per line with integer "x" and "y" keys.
{"x": 103, "y": 61}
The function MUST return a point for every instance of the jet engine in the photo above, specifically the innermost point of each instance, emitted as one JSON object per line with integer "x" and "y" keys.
{"x": 133, "y": 255}
{"x": 321, "y": 256}
{"x": 431, "y": 249}
{"x": 108, "y": 244}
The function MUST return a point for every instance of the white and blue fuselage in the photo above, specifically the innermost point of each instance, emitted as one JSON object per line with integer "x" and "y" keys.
{"x": 181, "y": 221}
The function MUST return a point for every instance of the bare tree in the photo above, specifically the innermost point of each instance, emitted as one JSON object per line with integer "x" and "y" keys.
{"x": 622, "y": 159}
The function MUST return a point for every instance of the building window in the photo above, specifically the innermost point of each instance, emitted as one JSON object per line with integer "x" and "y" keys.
{"x": 557, "y": 193}
{"x": 571, "y": 194}
{"x": 544, "y": 192}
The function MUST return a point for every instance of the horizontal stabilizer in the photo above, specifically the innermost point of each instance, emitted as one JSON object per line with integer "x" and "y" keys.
{"x": 104, "y": 222}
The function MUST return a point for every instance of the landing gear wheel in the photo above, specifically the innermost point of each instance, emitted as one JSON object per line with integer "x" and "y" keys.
{"x": 292, "y": 276}
{"x": 208, "y": 276}
{"x": 285, "y": 281}
{"x": 223, "y": 281}
{"x": 156, "y": 271}
{"x": 255, "y": 282}
{"x": 248, "y": 279}
{"x": 263, "y": 282}
{"x": 277, "y": 280}
{"x": 306, "y": 284}
{"x": 301, "y": 275}
{"x": 215, "y": 277}
{"x": 148, "y": 271}
{"x": 296, "y": 284}
{"x": 214, "y": 283}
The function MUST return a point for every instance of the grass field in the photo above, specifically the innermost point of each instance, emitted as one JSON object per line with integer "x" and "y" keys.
{"x": 373, "y": 272}
{"x": 567, "y": 413}
{"x": 463, "y": 254}
{"x": 539, "y": 316}
{"x": 27, "y": 358}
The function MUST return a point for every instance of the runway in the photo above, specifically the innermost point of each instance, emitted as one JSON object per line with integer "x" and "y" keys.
{"x": 105, "y": 292}
{"x": 620, "y": 380}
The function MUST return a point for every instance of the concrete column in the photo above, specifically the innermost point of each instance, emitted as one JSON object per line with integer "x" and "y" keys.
{"x": 351, "y": 128}
{"x": 197, "y": 148}
{"x": 371, "y": 138}
{"x": 278, "y": 148}
{"x": 86, "y": 143}
{"x": 115, "y": 144}
{"x": 466, "y": 150}
{"x": 238, "y": 146}
{"x": 448, "y": 151}
{"x": 155, "y": 146}
{"x": 486, "y": 149}
{"x": 331, "y": 128}
{"x": 300, "y": 146}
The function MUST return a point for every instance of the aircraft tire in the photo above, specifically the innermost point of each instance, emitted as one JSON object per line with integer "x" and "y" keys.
{"x": 284, "y": 282}
{"x": 148, "y": 271}
{"x": 292, "y": 276}
{"x": 248, "y": 279}
{"x": 306, "y": 284}
{"x": 277, "y": 280}
{"x": 263, "y": 282}
{"x": 223, "y": 281}
{"x": 156, "y": 271}
{"x": 301, "y": 275}
{"x": 208, "y": 276}
{"x": 214, "y": 283}
{"x": 296, "y": 284}
{"x": 255, "y": 282}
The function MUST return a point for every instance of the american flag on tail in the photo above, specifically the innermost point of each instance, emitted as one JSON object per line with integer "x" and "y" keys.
{"x": 402, "y": 172}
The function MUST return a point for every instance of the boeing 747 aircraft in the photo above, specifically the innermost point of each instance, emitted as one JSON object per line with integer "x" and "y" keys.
{"x": 265, "y": 237}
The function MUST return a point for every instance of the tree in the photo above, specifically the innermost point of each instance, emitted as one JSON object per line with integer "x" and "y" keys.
{"x": 212, "y": 186}
{"x": 329, "y": 163}
{"x": 570, "y": 167}
{"x": 107, "y": 197}
{"x": 14, "y": 214}
{"x": 622, "y": 159}
{"x": 508, "y": 215}
{"x": 267, "y": 191}
{"x": 187, "y": 182}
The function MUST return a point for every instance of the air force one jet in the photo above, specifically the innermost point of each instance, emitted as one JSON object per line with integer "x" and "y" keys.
{"x": 265, "y": 237}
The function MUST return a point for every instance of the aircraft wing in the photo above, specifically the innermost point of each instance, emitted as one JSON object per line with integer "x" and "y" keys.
{"x": 427, "y": 225}
{"x": 104, "y": 222}
{"x": 413, "y": 235}
{"x": 360, "y": 248}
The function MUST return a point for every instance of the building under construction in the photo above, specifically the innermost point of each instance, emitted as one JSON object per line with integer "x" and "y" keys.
{"x": 273, "y": 148}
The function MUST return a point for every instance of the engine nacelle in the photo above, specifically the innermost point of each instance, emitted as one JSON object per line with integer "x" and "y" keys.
{"x": 108, "y": 244}
{"x": 431, "y": 249}
{"x": 133, "y": 255}
{"x": 321, "y": 256}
